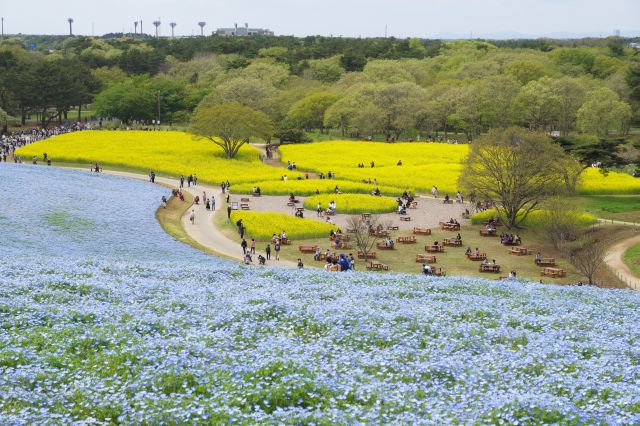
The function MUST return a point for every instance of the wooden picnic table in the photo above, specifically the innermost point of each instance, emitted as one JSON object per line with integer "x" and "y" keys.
{"x": 487, "y": 233}
{"x": 553, "y": 272}
{"x": 406, "y": 240}
{"x": 342, "y": 245}
{"x": 453, "y": 242}
{"x": 379, "y": 266}
{"x": 245, "y": 200}
{"x": 380, "y": 234}
{"x": 393, "y": 228}
{"x": 425, "y": 258}
{"x": 434, "y": 249}
{"x": 421, "y": 231}
{"x": 437, "y": 272}
{"x": 519, "y": 251}
{"x": 244, "y": 206}
{"x": 479, "y": 256}
{"x": 370, "y": 255}
{"x": 383, "y": 246}
{"x": 546, "y": 261}
{"x": 450, "y": 226}
{"x": 489, "y": 268}
{"x": 405, "y": 218}
{"x": 307, "y": 249}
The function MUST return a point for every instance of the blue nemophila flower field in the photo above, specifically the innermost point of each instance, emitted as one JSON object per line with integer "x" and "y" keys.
{"x": 105, "y": 319}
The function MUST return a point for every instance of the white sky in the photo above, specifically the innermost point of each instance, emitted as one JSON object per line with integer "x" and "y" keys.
{"x": 415, "y": 18}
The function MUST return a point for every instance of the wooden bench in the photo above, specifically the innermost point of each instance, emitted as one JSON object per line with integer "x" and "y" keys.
{"x": 553, "y": 272}
{"x": 479, "y": 256}
{"x": 406, "y": 240}
{"x": 449, "y": 201}
{"x": 245, "y": 200}
{"x": 434, "y": 249}
{"x": 342, "y": 245}
{"x": 405, "y": 218}
{"x": 452, "y": 242}
{"x": 383, "y": 246}
{"x": 546, "y": 261}
{"x": 308, "y": 249}
{"x": 421, "y": 231}
{"x": 450, "y": 226}
{"x": 512, "y": 243}
{"x": 490, "y": 268}
{"x": 519, "y": 251}
{"x": 291, "y": 204}
{"x": 377, "y": 266}
{"x": 370, "y": 255}
{"x": 425, "y": 258}
{"x": 393, "y": 228}
{"x": 380, "y": 234}
{"x": 485, "y": 233}
{"x": 286, "y": 242}
{"x": 437, "y": 272}
{"x": 342, "y": 237}
{"x": 255, "y": 194}
{"x": 244, "y": 206}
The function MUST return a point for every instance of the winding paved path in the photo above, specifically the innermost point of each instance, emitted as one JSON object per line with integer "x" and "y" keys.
{"x": 203, "y": 231}
{"x": 614, "y": 260}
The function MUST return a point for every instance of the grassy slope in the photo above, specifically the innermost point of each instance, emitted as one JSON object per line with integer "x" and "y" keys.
{"x": 620, "y": 207}
{"x": 632, "y": 259}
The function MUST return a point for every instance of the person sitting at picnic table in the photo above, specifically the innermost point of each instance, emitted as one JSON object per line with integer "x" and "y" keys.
{"x": 426, "y": 269}
{"x": 436, "y": 243}
{"x": 317, "y": 254}
{"x": 468, "y": 251}
{"x": 327, "y": 266}
{"x": 283, "y": 236}
{"x": 494, "y": 262}
{"x": 477, "y": 252}
{"x": 402, "y": 209}
{"x": 538, "y": 256}
{"x": 388, "y": 242}
{"x": 274, "y": 238}
{"x": 258, "y": 190}
{"x": 446, "y": 199}
{"x": 458, "y": 237}
{"x": 485, "y": 262}
{"x": 517, "y": 239}
{"x": 490, "y": 227}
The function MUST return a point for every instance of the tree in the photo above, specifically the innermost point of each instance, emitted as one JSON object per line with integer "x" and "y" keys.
{"x": 604, "y": 111}
{"x": 537, "y": 103}
{"x": 511, "y": 166}
{"x": 587, "y": 255}
{"x": 353, "y": 61}
{"x": 363, "y": 239}
{"x": 326, "y": 70}
{"x": 308, "y": 113}
{"x": 571, "y": 95}
{"x": 230, "y": 126}
{"x": 559, "y": 222}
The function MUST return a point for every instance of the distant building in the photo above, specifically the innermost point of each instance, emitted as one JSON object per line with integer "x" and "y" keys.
{"x": 243, "y": 31}
{"x": 634, "y": 45}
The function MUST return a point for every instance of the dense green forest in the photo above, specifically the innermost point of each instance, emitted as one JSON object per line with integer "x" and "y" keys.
{"x": 377, "y": 87}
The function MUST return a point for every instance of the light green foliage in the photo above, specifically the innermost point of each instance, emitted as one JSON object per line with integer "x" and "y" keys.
{"x": 326, "y": 70}
{"x": 602, "y": 112}
{"x": 309, "y": 111}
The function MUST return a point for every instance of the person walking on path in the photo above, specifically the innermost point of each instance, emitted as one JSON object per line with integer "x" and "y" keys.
{"x": 192, "y": 217}
{"x": 253, "y": 246}
{"x": 243, "y": 244}
{"x": 189, "y": 180}
{"x": 181, "y": 182}
{"x": 228, "y": 212}
{"x": 195, "y": 179}
{"x": 241, "y": 231}
{"x": 213, "y": 203}
{"x": 276, "y": 248}
{"x": 204, "y": 196}
{"x": 268, "y": 251}
{"x": 152, "y": 177}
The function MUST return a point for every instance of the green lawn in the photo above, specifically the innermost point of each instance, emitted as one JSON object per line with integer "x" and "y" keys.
{"x": 616, "y": 207}
{"x": 632, "y": 259}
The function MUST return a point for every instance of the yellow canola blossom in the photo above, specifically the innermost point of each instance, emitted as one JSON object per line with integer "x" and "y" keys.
{"x": 424, "y": 165}
{"x": 352, "y": 203}
{"x": 262, "y": 226}
{"x": 309, "y": 186}
{"x": 169, "y": 153}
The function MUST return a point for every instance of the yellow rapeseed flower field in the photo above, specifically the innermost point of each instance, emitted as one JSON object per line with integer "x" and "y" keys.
{"x": 169, "y": 153}
{"x": 309, "y": 186}
{"x": 262, "y": 226}
{"x": 423, "y": 165}
{"x": 352, "y": 203}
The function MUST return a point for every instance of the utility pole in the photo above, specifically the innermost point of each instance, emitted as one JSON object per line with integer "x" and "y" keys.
{"x": 159, "y": 108}
{"x": 173, "y": 26}
{"x": 70, "y": 21}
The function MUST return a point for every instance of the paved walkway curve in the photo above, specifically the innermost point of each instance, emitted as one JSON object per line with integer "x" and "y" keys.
{"x": 614, "y": 260}
{"x": 203, "y": 231}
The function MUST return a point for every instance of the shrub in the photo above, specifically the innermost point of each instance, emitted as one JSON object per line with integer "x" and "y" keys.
{"x": 353, "y": 203}
{"x": 262, "y": 226}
